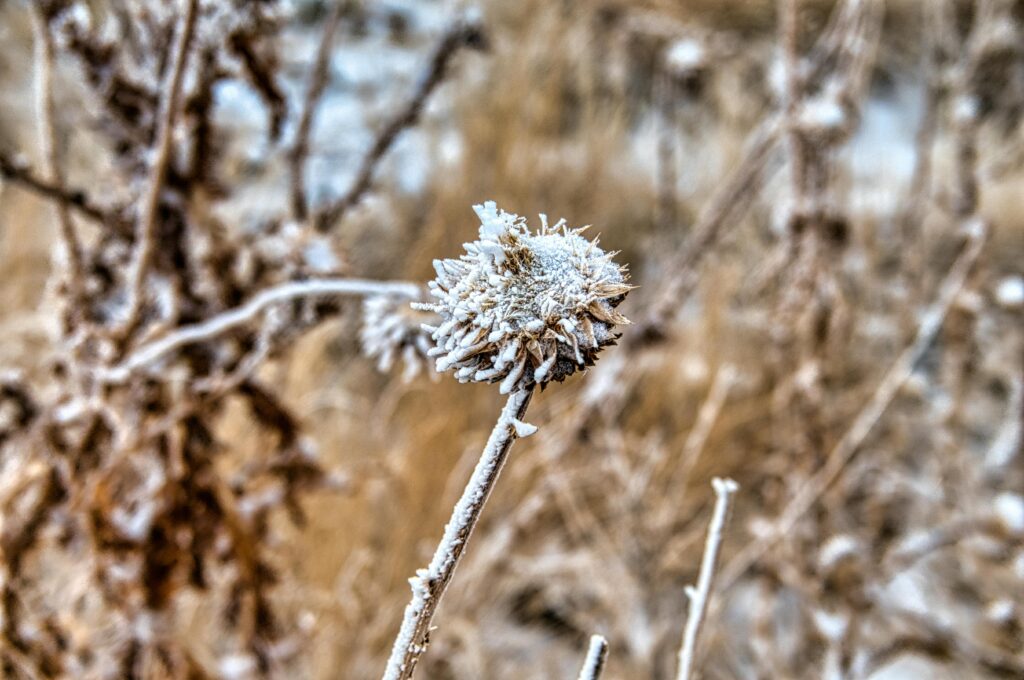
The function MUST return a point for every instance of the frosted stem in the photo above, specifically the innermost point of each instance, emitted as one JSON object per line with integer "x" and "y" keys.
{"x": 724, "y": 488}
{"x": 428, "y": 585}
{"x": 593, "y": 665}
{"x": 232, "y": 318}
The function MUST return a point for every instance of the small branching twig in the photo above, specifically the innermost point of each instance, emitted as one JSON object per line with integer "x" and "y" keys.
{"x": 597, "y": 654}
{"x": 318, "y": 79}
{"x": 734, "y": 192}
{"x": 429, "y": 584}
{"x": 44, "y": 61}
{"x": 696, "y": 439}
{"x": 21, "y": 174}
{"x": 462, "y": 34}
{"x": 699, "y": 596}
{"x": 145, "y": 238}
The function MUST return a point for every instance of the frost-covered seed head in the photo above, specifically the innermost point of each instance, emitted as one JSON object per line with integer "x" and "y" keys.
{"x": 392, "y": 330}
{"x": 524, "y": 308}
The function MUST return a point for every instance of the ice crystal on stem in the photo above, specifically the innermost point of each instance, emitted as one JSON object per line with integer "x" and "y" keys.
{"x": 524, "y": 308}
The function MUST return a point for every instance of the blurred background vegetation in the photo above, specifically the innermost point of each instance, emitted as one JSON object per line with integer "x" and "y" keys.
{"x": 633, "y": 117}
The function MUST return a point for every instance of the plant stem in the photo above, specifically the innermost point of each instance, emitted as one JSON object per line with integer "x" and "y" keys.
{"x": 593, "y": 664}
{"x": 724, "y": 488}
{"x": 150, "y": 202}
{"x": 429, "y": 585}
{"x": 238, "y": 316}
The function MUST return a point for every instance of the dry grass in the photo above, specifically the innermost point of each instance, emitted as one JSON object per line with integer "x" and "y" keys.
{"x": 598, "y": 522}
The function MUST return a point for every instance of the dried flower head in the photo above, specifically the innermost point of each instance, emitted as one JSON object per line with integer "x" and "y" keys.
{"x": 392, "y": 330}
{"x": 524, "y": 308}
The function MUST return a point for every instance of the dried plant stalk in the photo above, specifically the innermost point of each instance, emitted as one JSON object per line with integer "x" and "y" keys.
{"x": 461, "y": 34}
{"x": 597, "y": 654}
{"x": 44, "y": 59}
{"x": 20, "y": 173}
{"x": 724, "y": 488}
{"x": 428, "y": 585}
{"x": 172, "y": 87}
{"x": 317, "y": 84}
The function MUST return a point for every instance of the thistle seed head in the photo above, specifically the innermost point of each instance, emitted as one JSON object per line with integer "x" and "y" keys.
{"x": 524, "y": 308}
{"x": 391, "y": 331}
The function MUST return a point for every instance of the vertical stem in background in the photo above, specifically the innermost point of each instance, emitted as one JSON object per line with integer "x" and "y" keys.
{"x": 791, "y": 99}
{"x": 593, "y": 664}
{"x": 911, "y": 230}
{"x": 664, "y": 99}
{"x": 724, "y": 488}
{"x": 171, "y": 92}
{"x": 43, "y": 59}
{"x": 429, "y": 585}
{"x": 317, "y": 82}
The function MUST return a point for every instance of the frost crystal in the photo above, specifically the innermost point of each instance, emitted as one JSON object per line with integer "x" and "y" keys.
{"x": 523, "y": 308}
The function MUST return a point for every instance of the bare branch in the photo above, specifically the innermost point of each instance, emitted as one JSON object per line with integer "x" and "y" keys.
{"x": 724, "y": 488}
{"x": 317, "y": 83}
{"x": 21, "y": 174}
{"x": 162, "y": 154}
{"x": 461, "y": 34}
{"x": 44, "y": 60}
{"x": 737, "y": 188}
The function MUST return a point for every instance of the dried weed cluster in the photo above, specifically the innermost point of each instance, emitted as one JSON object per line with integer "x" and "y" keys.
{"x": 819, "y": 201}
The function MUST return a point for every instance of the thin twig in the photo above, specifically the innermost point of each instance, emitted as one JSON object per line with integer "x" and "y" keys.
{"x": 597, "y": 654}
{"x": 146, "y": 232}
{"x": 21, "y": 174}
{"x": 317, "y": 83}
{"x": 730, "y": 196}
{"x": 724, "y": 488}
{"x": 664, "y": 89}
{"x": 44, "y": 60}
{"x": 461, "y": 34}
{"x": 864, "y": 423}
{"x": 697, "y": 438}
{"x": 792, "y": 97}
{"x": 226, "y": 321}
{"x": 429, "y": 585}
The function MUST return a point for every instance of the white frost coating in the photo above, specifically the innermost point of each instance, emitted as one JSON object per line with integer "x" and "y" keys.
{"x": 822, "y": 113}
{"x": 524, "y": 308}
{"x": 523, "y": 429}
{"x": 724, "y": 488}
{"x": 837, "y": 549}
{"x": 1010, "y": 292}
{"x": 233, "y": 318}
{"x": 831, "y": 625}
{"x": 1009, "y": 508}
{"x": 685, "y": 55}
{"x": 428, "y": 585}
{"x": 593, "y": 664}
